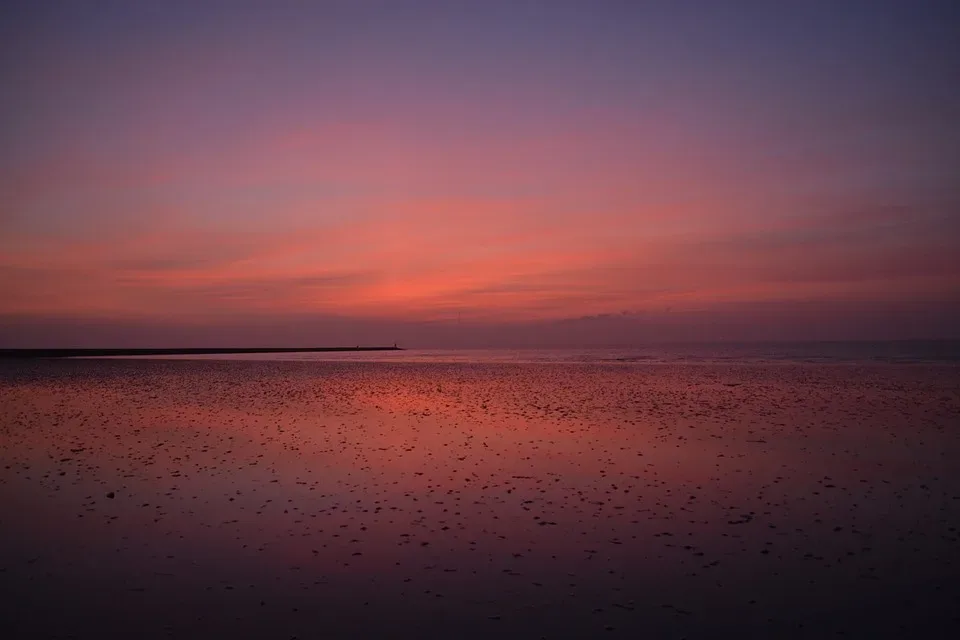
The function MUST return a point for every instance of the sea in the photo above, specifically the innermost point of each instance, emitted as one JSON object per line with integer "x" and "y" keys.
{"x": 837, "y": 352}
{"x": 764, "y": 490}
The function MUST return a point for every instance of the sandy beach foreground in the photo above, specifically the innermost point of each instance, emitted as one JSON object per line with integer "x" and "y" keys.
{"x": 346, "y": 500}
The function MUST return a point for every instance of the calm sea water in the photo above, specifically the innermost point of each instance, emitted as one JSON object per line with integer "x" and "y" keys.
{"x": 929, "y": 352}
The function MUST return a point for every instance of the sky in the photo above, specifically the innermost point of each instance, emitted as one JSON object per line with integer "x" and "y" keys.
{"x": 485, "y": 173}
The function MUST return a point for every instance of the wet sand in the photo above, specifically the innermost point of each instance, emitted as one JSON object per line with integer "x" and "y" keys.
{"x": 345, "y": 500}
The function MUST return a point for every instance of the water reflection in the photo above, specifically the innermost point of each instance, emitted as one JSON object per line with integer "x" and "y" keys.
{"x": 479, "y": 499}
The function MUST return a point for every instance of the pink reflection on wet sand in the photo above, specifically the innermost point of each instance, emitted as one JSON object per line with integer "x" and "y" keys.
{"x": 564, "y": 499}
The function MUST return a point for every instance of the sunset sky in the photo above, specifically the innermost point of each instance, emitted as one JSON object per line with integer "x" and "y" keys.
{"x": 477, "y": 173}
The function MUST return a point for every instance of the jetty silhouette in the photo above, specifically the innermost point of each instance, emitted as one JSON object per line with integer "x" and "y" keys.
{"x": 190, "y": 351}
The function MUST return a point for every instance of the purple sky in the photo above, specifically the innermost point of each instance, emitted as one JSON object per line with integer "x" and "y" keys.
{"x": 478, "y": 173}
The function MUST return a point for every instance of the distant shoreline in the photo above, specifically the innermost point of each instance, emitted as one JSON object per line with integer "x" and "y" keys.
{"x": 92, "y": 353}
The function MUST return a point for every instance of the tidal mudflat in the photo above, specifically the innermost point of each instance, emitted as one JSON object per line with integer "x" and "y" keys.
{"x": 346, "y": 500}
